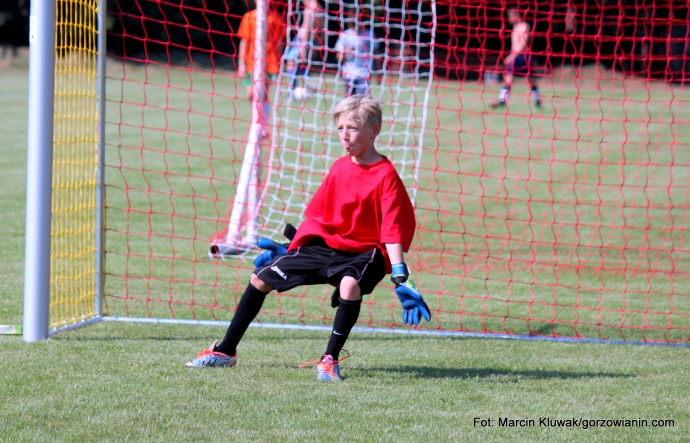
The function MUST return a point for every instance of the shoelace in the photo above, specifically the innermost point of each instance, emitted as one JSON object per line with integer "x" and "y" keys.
{"x": 210, "y": 351}
{"x": 316, "y": 362}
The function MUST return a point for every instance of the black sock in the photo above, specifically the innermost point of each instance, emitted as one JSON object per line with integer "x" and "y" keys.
{"x": 248, "y": 308}
{"x": 345, "y": 318}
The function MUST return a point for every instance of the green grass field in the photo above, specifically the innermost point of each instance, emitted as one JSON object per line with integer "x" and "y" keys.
{"x": 124, "y": 382}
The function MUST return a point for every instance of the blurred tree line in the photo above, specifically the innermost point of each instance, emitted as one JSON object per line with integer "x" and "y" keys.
{"x": 148, "y": 30}
{"x": 639, "y": 37}
{"x": 14, "y": 23}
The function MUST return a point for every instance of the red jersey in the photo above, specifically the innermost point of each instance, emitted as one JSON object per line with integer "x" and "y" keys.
{"x": 358, "y": 208}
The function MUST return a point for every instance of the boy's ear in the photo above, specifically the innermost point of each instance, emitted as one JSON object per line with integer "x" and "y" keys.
{"x": 376, "y": 130}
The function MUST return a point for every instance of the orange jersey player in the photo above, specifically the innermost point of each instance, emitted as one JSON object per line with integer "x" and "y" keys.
{"x": 274, "y": 41}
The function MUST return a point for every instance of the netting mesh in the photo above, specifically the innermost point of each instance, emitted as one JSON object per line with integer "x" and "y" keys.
{"x": 304, "y": 136}
{"x": 73, "y": 226}
{"x": 568, "y": 220}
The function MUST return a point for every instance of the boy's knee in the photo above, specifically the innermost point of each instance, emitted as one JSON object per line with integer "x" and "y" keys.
{"x": 349, "y": 289}
{"x": 259, "y": 284}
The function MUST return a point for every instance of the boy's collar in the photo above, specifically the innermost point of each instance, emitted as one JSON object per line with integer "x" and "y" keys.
{"x": 381, "y": 159}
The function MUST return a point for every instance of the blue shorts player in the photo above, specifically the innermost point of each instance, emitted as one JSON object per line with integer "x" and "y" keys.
{"x": 521, "y": 65}
{"x": 300, "y": 47}
{"x": 356, "y": 229}
{"x": 356, "y": 48}
{"x": 519, "y": 62}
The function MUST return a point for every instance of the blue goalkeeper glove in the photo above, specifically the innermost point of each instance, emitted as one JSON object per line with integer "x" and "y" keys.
{"x": 273, "y": 248}
{"x": 414, "y": 307}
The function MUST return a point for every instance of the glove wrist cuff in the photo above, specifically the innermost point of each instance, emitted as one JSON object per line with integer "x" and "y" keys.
{"x": 399, "y": 273}
{"x": 399, "y": 269}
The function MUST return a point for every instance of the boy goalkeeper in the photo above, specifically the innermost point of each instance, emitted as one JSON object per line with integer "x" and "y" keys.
{"x": 356, "y": 229}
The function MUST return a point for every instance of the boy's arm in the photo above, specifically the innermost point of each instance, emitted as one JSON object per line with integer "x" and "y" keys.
{"x": 244, "y": 33}
{"x": 395, "y": 252}
{"x": 339, "y": 48}
{"x": 242, "y": 64}
{"x": 342, "y": 50}
{"x": 377, "y": 59}
{"x": 305, "y": 32}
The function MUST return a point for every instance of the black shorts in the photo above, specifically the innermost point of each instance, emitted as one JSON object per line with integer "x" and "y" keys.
{"x": 317, "y": 263}
{"x": 521, "y": 66}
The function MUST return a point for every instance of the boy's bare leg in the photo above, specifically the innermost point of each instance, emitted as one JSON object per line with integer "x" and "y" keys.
{"x": 534, "y": 93}
{"x": 505, "y": 91}
{"x": 259, "y": 284}
{"x": 349, "y": 289}
{"x": 508, "y": 79}
{"x": 247, "y": 309}
{"x": 346, "y": 315}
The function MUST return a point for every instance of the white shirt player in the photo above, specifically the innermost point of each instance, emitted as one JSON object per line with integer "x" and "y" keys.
{"x": 360, "y": 57}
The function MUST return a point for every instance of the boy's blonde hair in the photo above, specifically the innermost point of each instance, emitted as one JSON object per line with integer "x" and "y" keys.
{"x": 367, "y": 107}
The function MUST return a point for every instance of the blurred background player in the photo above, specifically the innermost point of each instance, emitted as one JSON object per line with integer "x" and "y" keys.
{"x": 298, "y": 54}
{"x": 356, "y": 47}
{"x": 519, "y": 61}
{"x": 274, "y": 38}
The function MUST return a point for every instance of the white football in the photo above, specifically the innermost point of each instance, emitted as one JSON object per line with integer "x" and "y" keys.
{"x": 299, "y": 93}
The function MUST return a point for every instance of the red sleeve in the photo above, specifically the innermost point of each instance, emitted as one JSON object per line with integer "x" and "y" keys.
{"x": 398, "y": 219}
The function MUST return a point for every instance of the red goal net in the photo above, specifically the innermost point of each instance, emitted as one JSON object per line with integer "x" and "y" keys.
{"x": 562, "y": 218}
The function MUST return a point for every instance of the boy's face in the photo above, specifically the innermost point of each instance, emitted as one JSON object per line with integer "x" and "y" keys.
{"x": 357, "y": 138}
